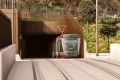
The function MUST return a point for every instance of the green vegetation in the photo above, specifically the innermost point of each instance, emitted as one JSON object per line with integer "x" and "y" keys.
{"x": 109, "y": 27}
{"x": 90, "y": 37}
{"x": 108, "y": 20}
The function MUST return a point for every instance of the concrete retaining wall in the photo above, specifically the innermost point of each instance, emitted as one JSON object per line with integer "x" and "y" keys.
{"x": 115, "y": 51}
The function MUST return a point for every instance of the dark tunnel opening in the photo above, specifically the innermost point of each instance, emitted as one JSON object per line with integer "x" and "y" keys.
{"x": 37, "y": 46}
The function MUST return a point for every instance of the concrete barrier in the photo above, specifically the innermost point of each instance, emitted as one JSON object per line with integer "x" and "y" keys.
{"x": 115, "y": 51}
{"x": 7, "y": 59}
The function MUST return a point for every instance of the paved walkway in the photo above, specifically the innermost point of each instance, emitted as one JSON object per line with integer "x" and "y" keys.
{"x": 101, "y": 55}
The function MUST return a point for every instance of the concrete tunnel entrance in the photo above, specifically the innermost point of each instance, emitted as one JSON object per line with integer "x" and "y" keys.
{"x": 36, "y": 42}
{"x": 38, "y": 36}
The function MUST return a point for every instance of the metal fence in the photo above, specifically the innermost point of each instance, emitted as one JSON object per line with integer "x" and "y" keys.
{"x": 7, "y": 4}
{"x": 35, "y": 12}
{"x": 31, "y": 12}
{"x": 39, "y": 14}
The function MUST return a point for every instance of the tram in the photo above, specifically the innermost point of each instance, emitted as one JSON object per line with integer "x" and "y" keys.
{"x": 67, "y": 46}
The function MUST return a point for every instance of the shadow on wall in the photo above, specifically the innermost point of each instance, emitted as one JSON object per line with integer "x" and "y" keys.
{"x": 5, "y": 31}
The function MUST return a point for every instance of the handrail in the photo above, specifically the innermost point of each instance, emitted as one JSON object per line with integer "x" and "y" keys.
{"x": 7, "y": 4}
{"x": 40, "y": 14}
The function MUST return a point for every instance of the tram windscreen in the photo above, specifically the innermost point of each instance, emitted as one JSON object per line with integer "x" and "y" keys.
{"x": 70, "y": 45}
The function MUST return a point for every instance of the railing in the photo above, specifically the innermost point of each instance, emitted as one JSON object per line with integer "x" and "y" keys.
{"x": 7, "y": 4}
{"x": 31, "y": 11}
{"x": 40, "y": 15}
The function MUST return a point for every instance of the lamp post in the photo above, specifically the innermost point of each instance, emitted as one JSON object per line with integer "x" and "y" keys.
{"x": 12, "y": 27}
{"x": 97, "y": 30}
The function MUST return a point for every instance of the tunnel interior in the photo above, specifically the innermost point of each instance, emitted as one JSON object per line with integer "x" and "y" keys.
{"x": 38, "y": 46}
{"x": 35, "y": 41}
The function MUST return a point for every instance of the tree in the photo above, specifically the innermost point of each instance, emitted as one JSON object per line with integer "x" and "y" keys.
{"x": 86, "y": 12}
{"x": 72, "y": 5}
{"x": 109, "y": 27}
{"x": 111, "y": 6}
